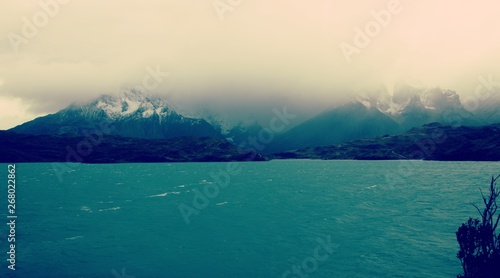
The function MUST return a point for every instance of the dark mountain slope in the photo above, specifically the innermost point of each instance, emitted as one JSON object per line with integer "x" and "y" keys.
{"x": 344, "y": 123}
{"x": 430, "y": 142}
{"x": 114, "y": 149}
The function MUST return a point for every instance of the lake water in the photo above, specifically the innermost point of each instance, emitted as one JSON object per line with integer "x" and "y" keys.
{"x": 271, "y": 219}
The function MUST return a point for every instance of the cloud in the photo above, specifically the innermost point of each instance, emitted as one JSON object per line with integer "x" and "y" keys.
{"x": 265, "y": 49}
{"x": 13, "y": 111}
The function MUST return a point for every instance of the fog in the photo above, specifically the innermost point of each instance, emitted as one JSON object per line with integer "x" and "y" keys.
{"x": 239, "y": 54}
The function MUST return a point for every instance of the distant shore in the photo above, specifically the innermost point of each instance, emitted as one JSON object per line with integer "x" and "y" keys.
{"x": 430, "y": 142}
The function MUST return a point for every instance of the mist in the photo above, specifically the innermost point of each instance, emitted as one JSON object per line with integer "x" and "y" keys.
{"x": 247, "y": 56}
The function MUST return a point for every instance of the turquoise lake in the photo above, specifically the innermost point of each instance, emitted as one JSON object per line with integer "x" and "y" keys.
{"x": 282, "y": 218}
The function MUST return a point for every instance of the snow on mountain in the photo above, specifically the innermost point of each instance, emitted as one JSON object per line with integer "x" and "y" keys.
{"x": 400, "y": 101}
{"x": 133, "y": 103}
{"x": 374, "y": 113}
{"x": 137, "y": 114}
{"x": 414, "y": 106}
{"x": 132, "y": 113}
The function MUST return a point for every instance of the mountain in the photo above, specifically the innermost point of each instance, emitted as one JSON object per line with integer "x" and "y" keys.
{"x": 486, "y": 106}
{"x": 132, "y": 114}
{"x": 412, "y": 106}
{"x": 234, "y": 130}
{"x": 378, "y": 112}
{"x": 347, "y": 122}
{"x": 115, "y": 149}
{"x": 429, "y": 142}
{"x": 369, "y": 114}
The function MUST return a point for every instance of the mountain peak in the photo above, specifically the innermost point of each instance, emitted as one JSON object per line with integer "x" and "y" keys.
{"x": 130, "y": 102}
{"x": 133, "y": 114}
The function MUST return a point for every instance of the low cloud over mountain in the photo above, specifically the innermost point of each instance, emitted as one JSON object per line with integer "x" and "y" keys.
{"x": 141, "y": 115}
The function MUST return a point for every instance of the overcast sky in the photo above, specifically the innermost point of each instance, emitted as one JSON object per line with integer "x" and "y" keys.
{"x": 304, "y": 50}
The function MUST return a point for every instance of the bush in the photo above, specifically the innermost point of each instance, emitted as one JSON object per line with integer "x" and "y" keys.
{"x": 479, "y": 245}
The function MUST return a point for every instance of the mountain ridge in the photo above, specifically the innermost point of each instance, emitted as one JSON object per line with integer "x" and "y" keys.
{"x": 116, "y": 149}
{"x": 142, "y": 115}
{"x": 429, "y": 142}
{"x": 133, "y": 114}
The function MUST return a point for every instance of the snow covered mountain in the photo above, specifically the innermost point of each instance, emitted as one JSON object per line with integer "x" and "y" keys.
{"x": 412, "y": 107}
{"x": 378, "y": 113}
{"x": 371, "y": 114}
{"x": 132, "y": 114}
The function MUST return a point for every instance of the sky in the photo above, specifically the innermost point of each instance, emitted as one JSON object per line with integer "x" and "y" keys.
{"x": 312, "y": 52}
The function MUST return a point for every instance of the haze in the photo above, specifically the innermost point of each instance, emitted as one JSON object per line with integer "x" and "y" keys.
{"x": 255, "y": 52}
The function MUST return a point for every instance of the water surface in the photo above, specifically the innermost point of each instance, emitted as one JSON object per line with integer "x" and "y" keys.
{"x": 123, "y": 220}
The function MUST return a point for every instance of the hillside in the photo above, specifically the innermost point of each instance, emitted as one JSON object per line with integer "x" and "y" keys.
{"x": 115, "y": 149}
{"x": 429, "y": 142}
